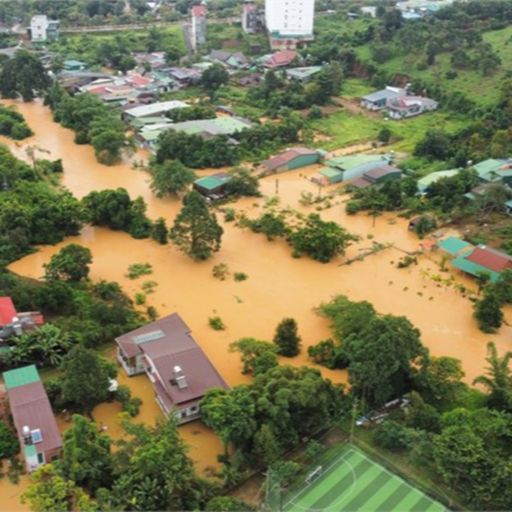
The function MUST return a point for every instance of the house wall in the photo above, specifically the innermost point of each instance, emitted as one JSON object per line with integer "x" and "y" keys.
{"x": 290, "y": 17}
{"x": 132, "y": 366}
{"x": 303, "y": 161}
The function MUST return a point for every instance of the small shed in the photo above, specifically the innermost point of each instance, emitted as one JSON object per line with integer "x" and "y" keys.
{"x": 382, "y": 174}
{"x": 214, "y": 186}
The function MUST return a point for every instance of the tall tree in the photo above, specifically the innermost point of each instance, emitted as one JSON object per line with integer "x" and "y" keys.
{"x": 170, "y": 178}
{"x": 488, "y": 313}
{"x": 213, "y": 78}
{"x": 251, "y": 350}
{"x": 287, "y": 338}
{"x": 195, "y": 230}
{"x": 71, "y": 263}
{"x": 86, "y": 457}
{"x": 85, "y": 379}
{"x": 498, "y": 380}
{"x": 24, "y": 76}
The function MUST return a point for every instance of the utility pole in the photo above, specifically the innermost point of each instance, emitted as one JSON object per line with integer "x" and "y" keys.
{"x": 277, "y": 187}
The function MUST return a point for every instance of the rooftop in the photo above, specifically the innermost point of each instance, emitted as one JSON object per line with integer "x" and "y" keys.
{"x": 351, "y": 161}
{"x": 7, "y": 310}
{"x": 212, "y": 182}
{"x": 381, "y": 171}
{"x": 490, "y": 258}
{"x": 454, "y": 246}
{"x": 20, "y": 377}
{"x": 155, "y": 108}
{"x": 287, "y": 156}
{"x": 426, "y": 181}
{"x": 226, "y": 125}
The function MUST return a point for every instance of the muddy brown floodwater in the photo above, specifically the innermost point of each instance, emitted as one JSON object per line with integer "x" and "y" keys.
{"x": 278, "y": 286}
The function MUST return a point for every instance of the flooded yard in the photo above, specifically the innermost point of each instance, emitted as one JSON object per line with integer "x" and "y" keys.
{"x": 278, "y": 285}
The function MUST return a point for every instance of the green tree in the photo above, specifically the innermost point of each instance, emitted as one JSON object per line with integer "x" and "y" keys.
{"x": 170, "y": 178}
{"x": 286, "y": 338}
{"x": 250, "y": 349}
{"x": 159, "y": 231}
{"x": 319, "y": 239}
{"x": 70, "y": 264}
{"x": 9, "y": 445}
{"x": 384, "y": 358}
{"x": 472, "y": 455}
{"x": 196, "y": 231}
{"x": 213, "y": 78}
{"x": 24, "y": 76}
{"x": 85, "y": 379}
{"x": 498, "y": 380}
{"x": 50, "y": 492}
{"x": 270, "y": 224}
{"x": 243, "y": 183}
{"x": 154, "y": 473}
{"x": 86, "y": 458}
{"x": 394, "y": 436}
{"x": 230, "y": 414}
{"x": 488, "y": 313}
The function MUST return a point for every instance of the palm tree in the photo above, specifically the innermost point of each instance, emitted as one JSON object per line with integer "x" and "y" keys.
{"x": 498, "y": 379}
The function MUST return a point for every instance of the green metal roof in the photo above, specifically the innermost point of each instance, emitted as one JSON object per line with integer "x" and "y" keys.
{"x": 211, "y": 182}
{"x": 487, "y": 166}
{"x": 474, "y": 269}
{"x": 426, "y": 181}
{"x": 20, "y": 377}
{"x": 329, "y": 172}
{"x": 350, "y": 161}
{"x": 225, "y": 125}
{"x": 453, "y": 245}
{"x": 30, "y": 450}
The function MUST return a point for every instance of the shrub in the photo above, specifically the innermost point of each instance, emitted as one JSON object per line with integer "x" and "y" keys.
{"x": 9, "y": 445}
{"x": 139, "y": 269}
{"x": 240, "y": 276}
{"x": 220, "y": 271}
{"x": 216, "y": 323}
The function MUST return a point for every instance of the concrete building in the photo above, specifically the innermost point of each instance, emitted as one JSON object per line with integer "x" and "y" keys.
{"x": 198, "y": 26}
{"x": 175, "y": 364}
{"x": 42, "y": 29}
{"x": 32, "y": 414}
{"x": 251, "y": 18}
{"x": 289, "y": 22}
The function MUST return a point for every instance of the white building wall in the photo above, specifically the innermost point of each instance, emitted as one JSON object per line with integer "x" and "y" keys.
{"x": 39, "y": 27}
{"x": 290, "y": 17}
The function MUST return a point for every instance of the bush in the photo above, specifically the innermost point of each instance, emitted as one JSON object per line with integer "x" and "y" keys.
{"x": 240, "y": 276}
{"x": 220, "y": 271}
{"x": 216, "y": 323}
{"x": 139, "y": 269}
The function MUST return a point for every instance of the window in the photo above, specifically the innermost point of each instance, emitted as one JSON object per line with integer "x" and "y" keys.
{"x": 40, "y": 458}
{"x": 36, "y": 435}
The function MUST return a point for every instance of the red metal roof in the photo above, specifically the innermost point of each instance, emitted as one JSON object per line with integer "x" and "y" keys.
{"x": 7, "y": 310}
{"x": 281, "y": 58}
{"x": 287, "y": 156}
{"x": 198, "y": 10}
{"x": 489, "y": 258}
{"x": 139, "y": 80}
{"x": 30, "y": 407}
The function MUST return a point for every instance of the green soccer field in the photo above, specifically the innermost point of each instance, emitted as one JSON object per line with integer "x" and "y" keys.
{"x": 353, "y": 482}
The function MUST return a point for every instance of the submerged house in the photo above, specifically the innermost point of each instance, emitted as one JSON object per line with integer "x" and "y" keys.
{"x": 175, "y": 364}
{"x": 355, "y": 166}
{"x": 293, "y": 158}
{"x": 378, "y": 176}
{"x": 483, "y": 260}
{"x": 214, "y": 186}
{"x": 35, "y": 423}
{"x": 14, "y": 323}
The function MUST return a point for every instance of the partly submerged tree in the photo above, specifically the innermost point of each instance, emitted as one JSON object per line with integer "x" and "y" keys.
{"x": 287, "y": 338}
{"x": 196, "y": 231}
{"x": 70, "y": 264}
{"x": 170, "y": 178}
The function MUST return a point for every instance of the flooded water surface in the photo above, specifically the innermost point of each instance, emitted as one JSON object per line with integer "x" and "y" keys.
{"x": 278, "y": 285}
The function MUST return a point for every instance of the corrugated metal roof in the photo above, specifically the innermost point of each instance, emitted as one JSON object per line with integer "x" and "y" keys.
{"x": 20, "y": 377}
{"x": 7, "y": 310}
{"x": 212, "y": 182}
{"x": 453, "y": 245}
{"x": 473, "y": 268}
{"x": 491, "y": 259}
{"x": 155, "y": 108}
{"x": 329, "y": 172}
